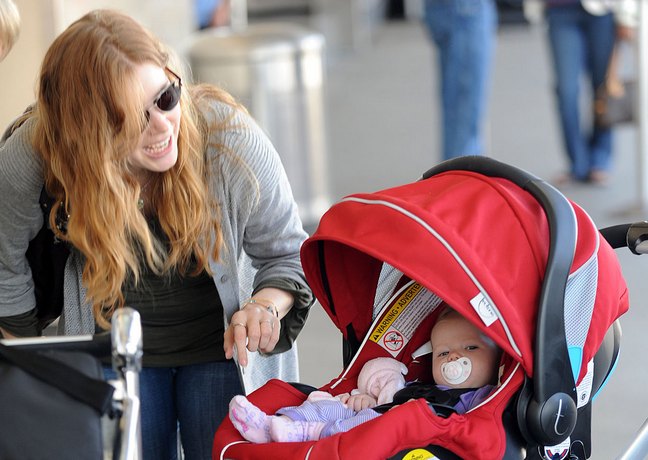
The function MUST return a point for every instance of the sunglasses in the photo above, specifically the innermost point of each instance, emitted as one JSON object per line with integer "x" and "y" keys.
{"x": 168, "y": 98}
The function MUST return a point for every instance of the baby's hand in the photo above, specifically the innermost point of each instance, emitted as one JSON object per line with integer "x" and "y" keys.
{"x": 359, "y": 402}
{"x": 344, "y": 397}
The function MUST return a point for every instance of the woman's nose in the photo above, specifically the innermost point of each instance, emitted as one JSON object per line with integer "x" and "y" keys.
{"x": 157, "y": 119}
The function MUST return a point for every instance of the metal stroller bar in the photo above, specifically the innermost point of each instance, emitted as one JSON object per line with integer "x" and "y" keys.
{"x": 639, "y": 447}
{"x": 96, "y": 345}
{"x": 635, "y": 237}
{"x": 127, "y": 362}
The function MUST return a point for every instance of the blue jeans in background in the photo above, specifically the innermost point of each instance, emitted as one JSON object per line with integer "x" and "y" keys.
{"x": 193, "y": 398}
{"x": 464, "y": 34}
{"x": 581, "y": 45}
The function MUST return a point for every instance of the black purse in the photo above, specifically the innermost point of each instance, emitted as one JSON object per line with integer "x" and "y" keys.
{"x": 614, "y": 103}
{"x": 47, "y": 256}
{"x": 52, "y": 403}
{"x": 614, "y": 100}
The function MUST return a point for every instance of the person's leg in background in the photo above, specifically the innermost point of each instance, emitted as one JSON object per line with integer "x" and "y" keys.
{"x": 601, "y": 36}
{"x": 437, "y": 22}
{"x": 203, "y": 393}
{"x": 211, "y": 13}
{"x": 567, "y": 45}
{"x": 464, "y": 34}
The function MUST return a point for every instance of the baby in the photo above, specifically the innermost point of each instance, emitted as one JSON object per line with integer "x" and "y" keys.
{"x": 462, "y": 358}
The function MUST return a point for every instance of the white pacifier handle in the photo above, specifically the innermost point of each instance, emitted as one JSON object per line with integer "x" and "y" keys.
{"x": 456, "y": 372}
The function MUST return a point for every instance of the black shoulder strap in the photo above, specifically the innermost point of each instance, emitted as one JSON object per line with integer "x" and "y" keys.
{"x": 431, "y": 393}
{"x": 47, "y": 256}
{"x": 92, "y": 392}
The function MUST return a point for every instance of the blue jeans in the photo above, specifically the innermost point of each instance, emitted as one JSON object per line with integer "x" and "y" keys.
{"x": 193, "y": 398}
{"x": 581, "y": 44}
{"x": 464, "y": 33}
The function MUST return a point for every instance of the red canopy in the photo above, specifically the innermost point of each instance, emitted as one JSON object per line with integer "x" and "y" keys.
{"x": 479, "y": 243}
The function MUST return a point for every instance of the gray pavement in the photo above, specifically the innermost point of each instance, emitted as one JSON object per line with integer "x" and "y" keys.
{"x": 382, "y": 131}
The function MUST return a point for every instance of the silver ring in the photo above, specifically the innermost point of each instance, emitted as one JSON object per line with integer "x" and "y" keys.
{"x": 265, "y": 321}
{"x": 239, "y": 324}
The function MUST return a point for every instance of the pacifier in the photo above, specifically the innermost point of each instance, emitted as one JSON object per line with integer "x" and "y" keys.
{"x": 456, "y": 372}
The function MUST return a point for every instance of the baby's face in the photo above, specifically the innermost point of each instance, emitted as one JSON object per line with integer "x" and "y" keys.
{"x": 454, "y": 337}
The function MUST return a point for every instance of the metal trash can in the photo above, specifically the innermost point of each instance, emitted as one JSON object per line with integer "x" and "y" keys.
{"x": 276, "y": 70}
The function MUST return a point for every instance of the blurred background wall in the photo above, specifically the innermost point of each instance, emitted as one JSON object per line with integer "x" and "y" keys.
{"x": 346, "y": 24}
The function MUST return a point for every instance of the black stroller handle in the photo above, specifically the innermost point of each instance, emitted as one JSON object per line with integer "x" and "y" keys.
{"x": 633, "y": 236}
{"x": 550, "y": 411}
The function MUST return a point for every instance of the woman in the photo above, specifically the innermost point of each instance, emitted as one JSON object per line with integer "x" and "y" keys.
{"x": 582, "y": 35}
{"x": 162, "y": 190}
{"x": 465, "y": 36}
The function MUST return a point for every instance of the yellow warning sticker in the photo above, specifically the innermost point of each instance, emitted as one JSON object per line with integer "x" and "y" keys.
{"x": 394, "y": 312}
{"x": 419, "y": 454}
{"x": 401, "y": 317}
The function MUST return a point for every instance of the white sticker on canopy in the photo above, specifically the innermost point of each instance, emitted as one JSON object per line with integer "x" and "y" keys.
{"x": 396, "y": 327}
{"x": 584, "y": 388}
{"x": 483, "y": 308}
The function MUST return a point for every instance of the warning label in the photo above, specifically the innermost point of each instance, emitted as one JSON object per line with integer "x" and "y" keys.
{"x": 393, "y": 340}
{"x": 397, "y": 325}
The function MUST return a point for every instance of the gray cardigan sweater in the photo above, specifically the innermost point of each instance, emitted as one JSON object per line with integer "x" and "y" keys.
{"x": 261, "y": 229}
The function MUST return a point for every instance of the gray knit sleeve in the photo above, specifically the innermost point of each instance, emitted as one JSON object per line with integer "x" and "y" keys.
{"x": 259, "y": 200}
{"x": 21, "y": 181}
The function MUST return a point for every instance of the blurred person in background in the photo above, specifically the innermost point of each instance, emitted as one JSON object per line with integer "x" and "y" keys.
{"x": 212, "y": 13}
{"x": 9, "y": 26}
{"x": 582, "y": 36}
{"x": 464, "y": 32}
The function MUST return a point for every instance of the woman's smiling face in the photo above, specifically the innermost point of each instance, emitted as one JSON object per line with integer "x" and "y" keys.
{"x": 157, "y": 150}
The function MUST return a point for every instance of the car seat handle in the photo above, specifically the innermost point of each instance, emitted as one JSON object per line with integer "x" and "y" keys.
{"x": 551, "y": 411}
{"x": 633, "y": 236}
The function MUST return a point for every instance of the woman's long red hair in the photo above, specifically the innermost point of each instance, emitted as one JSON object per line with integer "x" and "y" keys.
{"x": 88, "y": 122}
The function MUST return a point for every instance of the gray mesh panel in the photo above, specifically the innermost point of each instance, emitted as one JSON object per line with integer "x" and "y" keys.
{"x": 579, "y": 302}
{"x": 387, "y": 282}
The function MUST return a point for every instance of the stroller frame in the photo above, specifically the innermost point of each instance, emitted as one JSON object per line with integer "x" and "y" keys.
{"x": 633, "y": 236}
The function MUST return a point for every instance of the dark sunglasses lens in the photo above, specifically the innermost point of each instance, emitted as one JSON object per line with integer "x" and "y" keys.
{"x": 169, "y": 98}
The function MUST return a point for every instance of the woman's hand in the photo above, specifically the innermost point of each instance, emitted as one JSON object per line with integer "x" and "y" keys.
{"x": 4, "y": 334}
{"x": 625, "y": 33}
{"x": 256, "y": 326}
